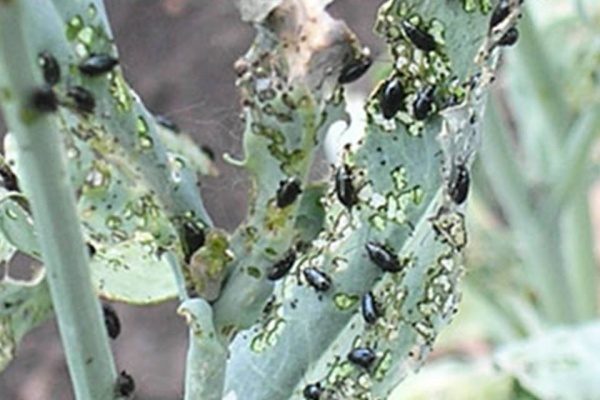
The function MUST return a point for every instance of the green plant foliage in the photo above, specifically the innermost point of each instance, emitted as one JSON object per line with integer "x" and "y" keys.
{"x": 121, "y": 194}
{"x": 400, "y": 169}
{"x": 287, "y": 289}
{"x": 558, "y": 364}
{"x": 23, "y": 306}
{"x": 206, "y": 355}
{"x": 122, "y": 216}
{"x": 290, "y": 108}
{"x": 454, "y": 380}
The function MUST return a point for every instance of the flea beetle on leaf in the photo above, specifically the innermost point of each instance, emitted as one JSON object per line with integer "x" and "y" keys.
{"x": 391, "y": 98}
{"x": 288, "y": 191}
{"x": 282, "y": 267}
{"x": 124, "y": 385}
{"x": 382, "y": 257}
{"x": 320, "y": 281}
{"x": 111, "y": 321}
{"x": 510, "y": 37}
{"x": 43, "y": 99}
{"x": 82, "y": 98}
{"x": 50, "y": 68}
{"x": 423, "y": 104}
{"x": 312, "y": 391}
{"x": 167, "y": 123}
{"x": 98, "y": 64}
{"x": 344, "y": 187}
{"x": 193, "y": 238}
{"x": 421, "y": 39}
{"x": 370, "y": 311}
{"x": 362, "y": 356}
{"x": 355, "y": 68}
{"x": 458, "y": 188}
{"x": 500, "y": 13}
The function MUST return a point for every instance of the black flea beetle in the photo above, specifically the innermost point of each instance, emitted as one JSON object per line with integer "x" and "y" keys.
{"x": 510, "y": 37}
{"x": 50, "y": 68}
{"x": 423, "y": 104}
{"x": 458, "y": 188}
{"x": 391, "y": 98}
{"x": 124, "y": 385}
{"x": 208, "y": 151}
{"x": 288, "y": 191}
{"x": 9, "y": 179}
{"x": 362, "y": 356}
{"x": 382, "y": 257}
{"x": 98, "y": 64}
{"x": 320, "y": 281}
{"x": 421, "y": 39}
{"x": 43, "y": 99}
{"x": 193, "y": 239}
{"x": 500, "y": 13}
{"x": 355, "y": 68}
{"x": 167, "y": 123}
{"x": 111, "y": 321}
{"x": 91, "y": 249}
{"x": 83, "y": 99}
{"x": 312, "y": 391}
{"x": 370, "y": 311}
{"x": 344, "y": 187}
{"x": 282, "y": 267}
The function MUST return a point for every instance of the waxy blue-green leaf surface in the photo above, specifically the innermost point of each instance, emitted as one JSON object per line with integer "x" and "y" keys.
{"x": 400, "y": 171}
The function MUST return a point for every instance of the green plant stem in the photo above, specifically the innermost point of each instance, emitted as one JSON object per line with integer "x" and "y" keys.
{"x": 207, "y": 357}
{"x": 46, "y": 184}
{"x": 534, "y": 241}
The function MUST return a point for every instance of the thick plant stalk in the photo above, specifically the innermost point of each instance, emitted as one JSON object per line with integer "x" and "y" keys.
{"x": 207, "y": 355}
{"x": 46, "y": 184}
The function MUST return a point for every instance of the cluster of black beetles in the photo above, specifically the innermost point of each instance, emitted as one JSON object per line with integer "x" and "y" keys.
{"x": 379, "y": 254}
{"x": 391, "y": 100}
{"x": 44, "y": 98}
{"x": 392, "y": 95}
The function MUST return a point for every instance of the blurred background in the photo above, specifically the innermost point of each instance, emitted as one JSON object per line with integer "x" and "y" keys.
{"x": 531, "y": 262}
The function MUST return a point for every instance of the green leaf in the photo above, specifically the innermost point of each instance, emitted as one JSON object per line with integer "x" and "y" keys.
{"x": 16, "y": 227}
{"x": 560, "y": 364}
{"x": 23, "y": 306}
{"x": 454, "y": 380}
{"x": 121, "y": 219}
{"x": 401, "y": 169}
{"x": 184, "y": 151}
{"x": 129, "y": 273}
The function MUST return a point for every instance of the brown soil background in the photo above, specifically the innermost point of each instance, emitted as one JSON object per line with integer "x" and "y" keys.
{"x": 178, "y": 55}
